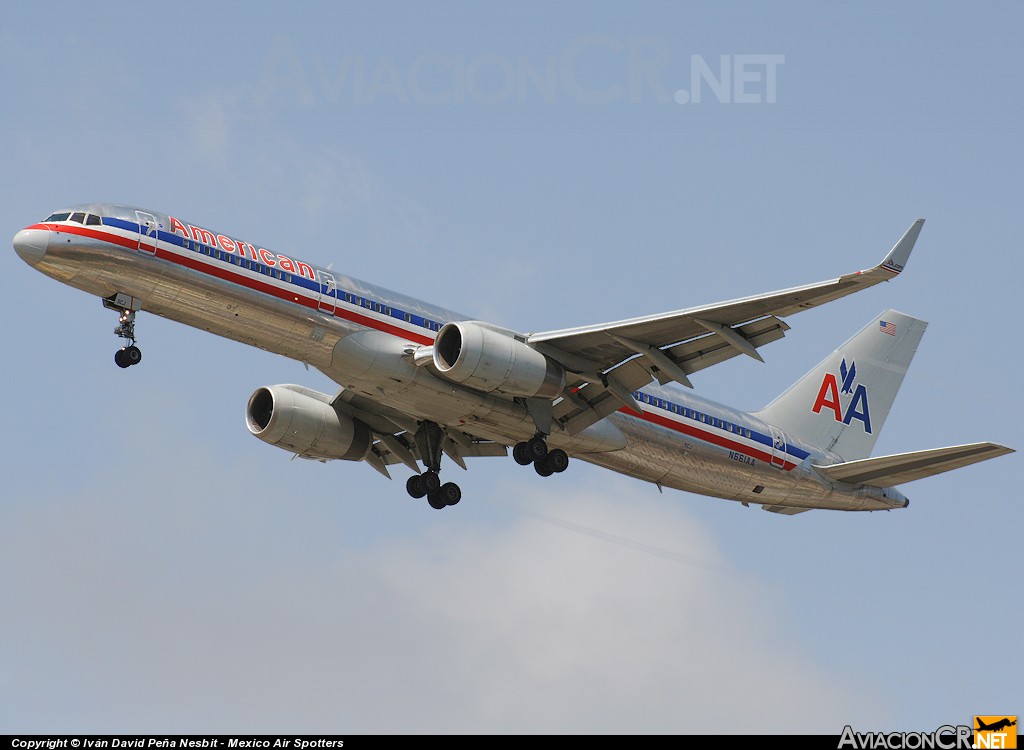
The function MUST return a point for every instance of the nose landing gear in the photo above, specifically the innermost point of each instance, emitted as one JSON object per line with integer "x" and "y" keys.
{"x": 126, "y": 306}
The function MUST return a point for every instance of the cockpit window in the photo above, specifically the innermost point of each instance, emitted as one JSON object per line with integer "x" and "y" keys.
{"x": 58, "y": 216}
{"x": 93, "y": 219}
{"x": 78, "y": 217}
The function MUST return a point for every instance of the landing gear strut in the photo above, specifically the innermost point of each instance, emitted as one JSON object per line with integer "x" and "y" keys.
{"x": 429, "y": 437}
{"x": 128, "y": 355}
{"x": 535, "y": 451}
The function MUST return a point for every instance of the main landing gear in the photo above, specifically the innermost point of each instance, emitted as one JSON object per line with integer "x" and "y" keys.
{"x": 535, "y": 451}
{"x": 429, "y": 437}
{"x": 128, "y": 355}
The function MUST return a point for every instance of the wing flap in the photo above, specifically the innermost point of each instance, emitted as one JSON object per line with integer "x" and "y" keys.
{"x": 699, "y": 353}
{"x": 379, "y": 418}
{"x": 395, "y": 430}
{"x": 484, "y": 448}
{"x": 784, "y": 510}
{"x": 888, "y": 471}
{"x": 386, "y": 449}
{"x": 594, "y": 401}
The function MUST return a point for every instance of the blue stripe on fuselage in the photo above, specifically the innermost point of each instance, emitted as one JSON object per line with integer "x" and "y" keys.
{"x": 344, "y": 297}
{"x": 748, "y": 432}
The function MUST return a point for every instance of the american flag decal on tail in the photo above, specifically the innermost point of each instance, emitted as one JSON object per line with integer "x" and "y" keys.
{"x": 886, "y": 327}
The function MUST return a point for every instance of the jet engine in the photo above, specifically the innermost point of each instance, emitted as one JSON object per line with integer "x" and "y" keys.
{"x": 487, "y": 360}
{"x": 302, "y": 421}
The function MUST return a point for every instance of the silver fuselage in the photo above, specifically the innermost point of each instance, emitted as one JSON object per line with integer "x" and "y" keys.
{"x": 360, "y": 335}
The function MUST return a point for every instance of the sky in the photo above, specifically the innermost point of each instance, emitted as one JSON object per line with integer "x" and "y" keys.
{"x": 539, "y": 167}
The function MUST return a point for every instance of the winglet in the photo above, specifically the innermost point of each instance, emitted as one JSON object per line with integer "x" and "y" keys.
{"x": 897, "y": 258}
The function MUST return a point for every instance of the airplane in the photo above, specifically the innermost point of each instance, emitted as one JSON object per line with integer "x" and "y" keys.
{"x": 995, "y": 726}
{"x": 419, "y": 382}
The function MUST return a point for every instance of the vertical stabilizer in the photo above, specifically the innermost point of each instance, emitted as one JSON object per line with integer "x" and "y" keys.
{"x": 841, "y": 404}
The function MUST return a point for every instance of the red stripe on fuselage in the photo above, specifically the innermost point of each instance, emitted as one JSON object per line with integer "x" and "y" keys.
{"x": 288, "y": 295}
{"x": 708, "y": 437}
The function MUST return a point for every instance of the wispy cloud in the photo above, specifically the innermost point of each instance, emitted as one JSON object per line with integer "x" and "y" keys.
{"x": 174, "y": 607}
{"x": 208, "y": 125}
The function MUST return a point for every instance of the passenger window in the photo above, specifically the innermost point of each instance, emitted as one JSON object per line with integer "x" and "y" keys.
{"x": 78, "y": 217}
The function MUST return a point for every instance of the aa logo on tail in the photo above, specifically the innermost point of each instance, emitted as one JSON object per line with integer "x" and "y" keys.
{"x": 855, "y": 396}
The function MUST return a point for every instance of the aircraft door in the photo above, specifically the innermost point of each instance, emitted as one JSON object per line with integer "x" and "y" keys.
{"x": 778, "y": 447}
{"x": 147, "y": 232}
{"x": 327, "y": 291}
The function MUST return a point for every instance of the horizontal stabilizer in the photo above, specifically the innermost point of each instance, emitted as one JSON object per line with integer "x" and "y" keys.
{"x": 888, "y": 471}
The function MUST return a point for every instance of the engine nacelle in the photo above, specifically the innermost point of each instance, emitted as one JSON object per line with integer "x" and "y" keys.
{"x": 303, "y": 421}
{"x": 486, "y": 360}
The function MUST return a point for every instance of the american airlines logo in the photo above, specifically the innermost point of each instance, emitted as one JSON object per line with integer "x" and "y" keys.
{"x": 834, "y": 391}
{"x": 592, "y": 69}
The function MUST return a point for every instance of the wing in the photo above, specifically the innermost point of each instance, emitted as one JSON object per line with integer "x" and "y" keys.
{"x": 394, "y": 435}
{"x": 676, "y": 344}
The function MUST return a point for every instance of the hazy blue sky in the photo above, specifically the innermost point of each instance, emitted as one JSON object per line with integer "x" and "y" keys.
{"x": 161, "y": 570}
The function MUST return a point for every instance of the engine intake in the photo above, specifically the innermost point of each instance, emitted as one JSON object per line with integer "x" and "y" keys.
{"x": 487, "y": 360}
{"x": 302, "y": 421}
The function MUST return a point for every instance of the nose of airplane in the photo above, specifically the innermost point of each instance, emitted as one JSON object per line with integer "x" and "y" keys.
{"x": 31, "y": 244}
